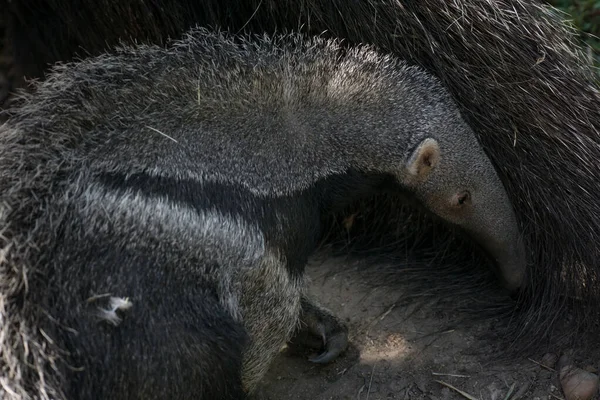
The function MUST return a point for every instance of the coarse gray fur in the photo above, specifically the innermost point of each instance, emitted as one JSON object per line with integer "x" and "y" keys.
{"x": 158, "y": 207}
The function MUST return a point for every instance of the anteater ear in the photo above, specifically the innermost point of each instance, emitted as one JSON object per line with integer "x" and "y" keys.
{"x": 424, "y": 159}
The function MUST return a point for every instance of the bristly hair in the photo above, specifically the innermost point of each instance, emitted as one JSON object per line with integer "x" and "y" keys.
{"x": 513, "y": 66}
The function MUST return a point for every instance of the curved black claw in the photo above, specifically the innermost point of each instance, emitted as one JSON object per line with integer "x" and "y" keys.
{"x": 331, "y": 334}
{"x": 334, "y": 346}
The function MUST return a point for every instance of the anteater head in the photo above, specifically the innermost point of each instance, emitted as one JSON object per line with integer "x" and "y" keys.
{"x": 405, "y": 121}
{"x": 456, "y": 180}
{"x": 442, "y": 163}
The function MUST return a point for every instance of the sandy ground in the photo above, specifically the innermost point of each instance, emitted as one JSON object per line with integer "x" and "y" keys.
{"x": 403, "y": 351}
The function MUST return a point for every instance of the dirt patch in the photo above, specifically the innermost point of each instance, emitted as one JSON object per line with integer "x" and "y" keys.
{"x": 400, "y": 351}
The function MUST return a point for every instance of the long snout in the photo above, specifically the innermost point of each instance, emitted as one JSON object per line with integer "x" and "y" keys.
{"x": 498, "y": 233}
{"x": 511, "y": 261}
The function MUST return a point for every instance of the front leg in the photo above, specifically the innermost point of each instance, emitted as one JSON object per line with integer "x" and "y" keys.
{"x": 319, "y": 328}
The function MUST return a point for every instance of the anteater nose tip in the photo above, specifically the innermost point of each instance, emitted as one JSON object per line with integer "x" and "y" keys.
{"x": 513, "y": 269}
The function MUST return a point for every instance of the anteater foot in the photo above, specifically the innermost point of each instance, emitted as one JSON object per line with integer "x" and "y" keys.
{"x": 320, "y": 328}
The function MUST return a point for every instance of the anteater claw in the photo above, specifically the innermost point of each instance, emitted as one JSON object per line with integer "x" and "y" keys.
{"x": 331, "y": 334}
{"x": 334, "y": 346}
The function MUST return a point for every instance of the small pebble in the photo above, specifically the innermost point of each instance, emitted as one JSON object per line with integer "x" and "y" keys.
{"x": 549, "y": 360}
{"x": 578, "y": 384}
{"x": 563, "y": 361}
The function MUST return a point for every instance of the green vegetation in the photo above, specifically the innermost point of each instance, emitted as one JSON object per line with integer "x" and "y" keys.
{"x": 585, "y": 15}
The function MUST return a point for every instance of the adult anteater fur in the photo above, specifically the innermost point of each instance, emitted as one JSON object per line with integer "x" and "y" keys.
{"x": 512, "y": 66}
{"x": 159, "y": 205}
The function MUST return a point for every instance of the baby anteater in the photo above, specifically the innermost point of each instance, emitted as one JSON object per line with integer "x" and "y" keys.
{"x": 158, "y": 207}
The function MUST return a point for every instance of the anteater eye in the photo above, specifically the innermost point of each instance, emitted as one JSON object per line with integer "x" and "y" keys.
{"x": 463, "y": 198}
